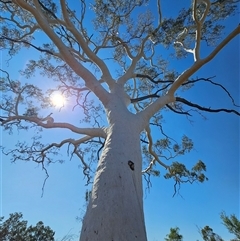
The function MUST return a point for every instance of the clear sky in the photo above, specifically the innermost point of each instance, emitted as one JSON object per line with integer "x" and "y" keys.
{"x": 216, "y": 142}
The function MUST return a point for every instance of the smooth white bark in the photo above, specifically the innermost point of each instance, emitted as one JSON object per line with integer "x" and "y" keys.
{"x": 115, "y": 210}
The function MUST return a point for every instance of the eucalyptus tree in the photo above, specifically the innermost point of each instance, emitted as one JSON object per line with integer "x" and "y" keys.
{"x": 14, "y": 228}
{"x": 230, "y": 222}
{"x": 208, "y": 234}
{"x": 105, "y": 55}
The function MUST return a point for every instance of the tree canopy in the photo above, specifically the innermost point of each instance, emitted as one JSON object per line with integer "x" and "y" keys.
{"x": 230, "y": 222}
{"x": 14, "y": 228}
{"x": 110, "y": 62}
{"x": 73, "y": 52}
{"x": 174, "y": 235}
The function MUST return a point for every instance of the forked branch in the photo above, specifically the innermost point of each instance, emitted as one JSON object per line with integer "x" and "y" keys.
{"x": 201, "y": 62}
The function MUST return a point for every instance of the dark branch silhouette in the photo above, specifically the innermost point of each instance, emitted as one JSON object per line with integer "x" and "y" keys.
{"x": 178, "y": 112}
{"x": 182, "y": 100}
{"x": 27, "y": 43}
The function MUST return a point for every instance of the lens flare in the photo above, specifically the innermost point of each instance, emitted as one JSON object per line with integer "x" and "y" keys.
{"x": 58, "y": 100}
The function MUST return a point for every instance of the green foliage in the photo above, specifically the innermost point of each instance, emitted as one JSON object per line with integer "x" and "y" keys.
{"x": 126, "y": 35}
{"x": 174, "y": 235}
{"x": 232, "y": 224}
{"x": 209, "y": 235}
{"x": 31, "y": 112}
{"x": 16, "y": 229}
{"x": 155, "y": 173}
{"x": 181, "y": 174}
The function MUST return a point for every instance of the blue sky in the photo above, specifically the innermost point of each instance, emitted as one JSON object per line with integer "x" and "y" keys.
{"x": 216, "y": 142}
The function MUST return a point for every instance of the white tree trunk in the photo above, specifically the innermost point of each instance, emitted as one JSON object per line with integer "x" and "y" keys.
{"x": 115, "y": 210}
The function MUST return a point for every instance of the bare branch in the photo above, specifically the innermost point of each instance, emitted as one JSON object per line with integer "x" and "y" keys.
{"x": 27, "y": 43}
{"x": 152, "y": 80}
{"x": 214, "y": 83}
{"x": 198, "y": 64}
{"x": 150, "y": 110}
{"x": 152, "y": 152}
{"x": 232, "y": 35}
{"x": 199, "y": 21}
{"x": 106, "y": 74}
{"x": 45, "y": 180}
{"x": 156, "y": 95}
{"x": 206, "y": 109}
{"x": 89, "y": 78}
{"x": 85, "y": 131}
{"x": 178, "y": 112}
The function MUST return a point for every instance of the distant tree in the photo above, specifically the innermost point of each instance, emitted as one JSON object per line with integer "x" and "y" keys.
{"x": 209, "y": 235}
{"x": 174, "y": 235}
{"x": 16, "y": 229}
{"x": 105, "y": 57}
{"x": 232, "y": 223}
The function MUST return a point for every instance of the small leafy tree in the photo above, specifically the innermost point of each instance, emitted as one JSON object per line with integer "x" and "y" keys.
{"x": 209, "y": 235}
{"x": 174, "y": 235}
{"x": 16, "y": 229}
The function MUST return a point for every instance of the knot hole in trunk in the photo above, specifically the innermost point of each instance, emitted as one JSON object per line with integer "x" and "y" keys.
{"x": 131, "y": 165}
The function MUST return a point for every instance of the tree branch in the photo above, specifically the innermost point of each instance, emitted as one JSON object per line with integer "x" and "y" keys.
{"x": 152, "y": 80}
{"x": 88, "y": 77}
{"x": 75, "y": 143}
{"x": 199, "y": 22}
{"x": 99, "y": 62}
{"x": 214, "y": 83}
{"x": 135, "y": 59}
{"x": 150, "y": 110}
{"x": 176, "y": 111}
{"x": 27, "y": 43}
{"x": 92, "y": 132}
{"x": 152, "y": 152}
{"x": 198, "y": 64}
{"x": 204, "y": 108}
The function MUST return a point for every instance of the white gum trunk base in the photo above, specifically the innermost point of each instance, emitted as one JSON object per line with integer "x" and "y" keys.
{"x": 115, "y": 209}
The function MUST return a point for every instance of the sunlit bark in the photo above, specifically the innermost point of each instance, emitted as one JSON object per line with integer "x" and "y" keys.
{"x": 115, "y": 209}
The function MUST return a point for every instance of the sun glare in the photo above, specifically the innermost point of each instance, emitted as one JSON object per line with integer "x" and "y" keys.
{"x": 58, "y": 100}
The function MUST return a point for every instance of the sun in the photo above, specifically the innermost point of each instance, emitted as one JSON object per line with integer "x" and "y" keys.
{"x": 58, "y": 100}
